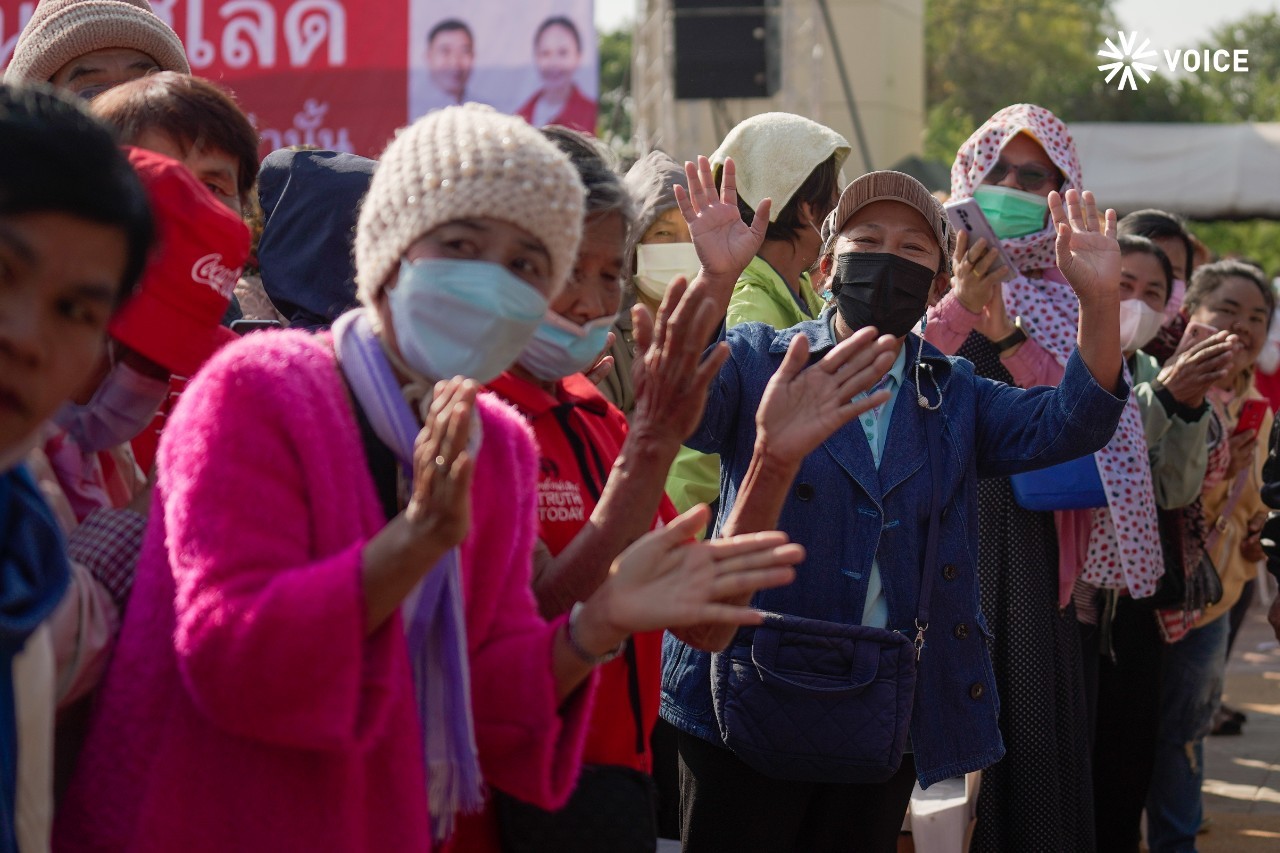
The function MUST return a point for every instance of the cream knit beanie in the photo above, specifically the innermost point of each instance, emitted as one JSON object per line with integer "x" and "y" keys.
{"x": 775, "y": 153}
{"x": 63, "y": 30}
{"x": 467, "y": 162}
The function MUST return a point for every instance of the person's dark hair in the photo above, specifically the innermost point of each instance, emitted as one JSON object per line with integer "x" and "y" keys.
{"x": 595, "y": 164}
{"x": 449, "y": 25}
{"x": 821, "y": 190}
{"x": 559, "y": 21}
{"x": 1208, "y": 278}
{"x": 1131, "y": 245}
{"x": 56, "y": 158}
{"x": 191, "y": 111}
{"x": 1158, "y": 225}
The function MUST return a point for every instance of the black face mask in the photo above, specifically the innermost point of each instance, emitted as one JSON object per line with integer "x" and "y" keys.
{"x": 882, "y": 290}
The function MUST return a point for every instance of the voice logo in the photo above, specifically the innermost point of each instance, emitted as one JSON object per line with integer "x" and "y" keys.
{"x": 1129, "y": 65}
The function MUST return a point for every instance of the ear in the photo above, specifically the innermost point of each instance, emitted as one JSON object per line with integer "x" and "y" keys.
{"x": 827, "y": 264}
{"x": 941, "y": 285}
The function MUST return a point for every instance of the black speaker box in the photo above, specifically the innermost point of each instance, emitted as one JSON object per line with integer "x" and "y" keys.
{"x": 726, "y": 48}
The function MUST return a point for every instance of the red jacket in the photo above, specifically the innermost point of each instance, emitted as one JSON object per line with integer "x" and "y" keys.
{"x": 579, "y": 112}
{"x": 577, "y": 429}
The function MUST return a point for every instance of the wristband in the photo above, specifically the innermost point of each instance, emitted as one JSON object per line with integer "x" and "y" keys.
{"x": 1018, "y": 336}
{"x": 587, "y": 657}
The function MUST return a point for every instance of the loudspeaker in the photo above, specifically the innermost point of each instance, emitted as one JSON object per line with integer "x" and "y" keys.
{"x": 726, "y": 48}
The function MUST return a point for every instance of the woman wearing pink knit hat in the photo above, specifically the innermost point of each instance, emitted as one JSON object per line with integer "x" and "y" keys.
{"x": 343, "y": 662}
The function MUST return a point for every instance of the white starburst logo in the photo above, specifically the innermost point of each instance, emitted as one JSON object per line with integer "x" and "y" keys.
{"x": 1127, "y": 51}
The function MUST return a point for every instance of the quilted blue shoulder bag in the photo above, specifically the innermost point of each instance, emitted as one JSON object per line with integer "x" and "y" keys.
{"x": 814, "y": 701}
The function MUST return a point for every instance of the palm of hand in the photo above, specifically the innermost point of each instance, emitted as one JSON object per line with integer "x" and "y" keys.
{"x": 1092, "y": 263}
{"x": 724, "y": 242}
{"x": 795, "y": 417}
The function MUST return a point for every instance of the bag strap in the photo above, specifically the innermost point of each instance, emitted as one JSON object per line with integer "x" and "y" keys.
{"x": 1233, "y": 500}
{"x": 933, "y": 429}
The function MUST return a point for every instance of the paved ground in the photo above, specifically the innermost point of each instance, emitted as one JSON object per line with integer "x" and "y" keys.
{"x": 1242, "y": 774}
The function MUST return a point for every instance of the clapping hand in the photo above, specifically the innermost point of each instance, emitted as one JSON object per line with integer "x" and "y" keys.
{"x": 803, "y": 405}
{"x": 440, "y": 501}
{"x": 1088, "y": 254}
{"x": 667, "y": 579}
{"x": 669, "y": 374}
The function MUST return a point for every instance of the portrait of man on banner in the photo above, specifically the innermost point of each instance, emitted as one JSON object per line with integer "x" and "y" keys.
{"x": 538, "y": 59}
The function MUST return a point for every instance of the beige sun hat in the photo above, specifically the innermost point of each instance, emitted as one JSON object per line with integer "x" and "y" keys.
{"x": 62, "y": 30}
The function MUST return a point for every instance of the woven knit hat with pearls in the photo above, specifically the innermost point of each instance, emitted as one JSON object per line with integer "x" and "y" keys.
{"x": 62, "y": 30}
{"x": 467, "y": 162}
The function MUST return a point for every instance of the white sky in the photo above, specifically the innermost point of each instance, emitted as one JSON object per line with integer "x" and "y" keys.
{"x": 1168, "y": 23}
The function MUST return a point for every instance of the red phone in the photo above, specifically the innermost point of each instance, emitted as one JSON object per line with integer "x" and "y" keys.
{"x": 1194, "y": 334}
{"x": 1251, "y": 415}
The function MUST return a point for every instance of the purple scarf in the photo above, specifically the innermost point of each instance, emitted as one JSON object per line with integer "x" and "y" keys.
{"x": 435, "y": 626}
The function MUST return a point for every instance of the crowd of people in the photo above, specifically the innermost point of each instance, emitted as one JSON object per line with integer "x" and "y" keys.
{"x": 554, "y": 507}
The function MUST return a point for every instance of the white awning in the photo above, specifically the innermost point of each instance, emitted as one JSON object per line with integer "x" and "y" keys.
{"x": 1203, "y": 171}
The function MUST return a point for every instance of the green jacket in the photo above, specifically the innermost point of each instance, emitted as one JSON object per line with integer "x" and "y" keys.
{"x": 760, "y": 296}
{"x": 1177, "y": 447}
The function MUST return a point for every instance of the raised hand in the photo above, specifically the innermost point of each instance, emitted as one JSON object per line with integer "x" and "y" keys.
{"x": 440, "y": 501}
{"x": 802, "y": 406}
{"x": 669, "y": 374}
{"x": 1088, "y": 254}
{"x": 724, "y": 242}
{"x": 667, "y": 579}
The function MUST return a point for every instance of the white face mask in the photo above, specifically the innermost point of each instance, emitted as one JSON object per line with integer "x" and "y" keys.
{"x": 120, "y": 409}
{"x": 658, "y": 263}
{"x": 1139, "y": 323}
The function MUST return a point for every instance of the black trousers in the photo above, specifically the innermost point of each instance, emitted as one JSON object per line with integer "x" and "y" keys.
{"x": 727, "y": 806}
{"x": 1128, "y": 709}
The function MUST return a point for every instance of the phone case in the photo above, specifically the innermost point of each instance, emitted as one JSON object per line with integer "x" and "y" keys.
{"x": 966, "y": 215}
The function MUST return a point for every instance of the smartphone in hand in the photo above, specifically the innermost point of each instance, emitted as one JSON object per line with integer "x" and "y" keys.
{"x": 1251, "y": 415}
{"x": 1194, "y": 334}
{"x": 967, "y": 216}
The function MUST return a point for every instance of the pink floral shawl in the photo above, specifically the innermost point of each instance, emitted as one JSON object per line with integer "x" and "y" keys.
{"x": 1124, "y": 543}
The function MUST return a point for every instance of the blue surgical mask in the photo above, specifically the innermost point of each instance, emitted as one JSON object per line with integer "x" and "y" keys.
{"x": 560, "y": 347}
{"x": 120, "y": 409}
{"x": 462, "y": 318}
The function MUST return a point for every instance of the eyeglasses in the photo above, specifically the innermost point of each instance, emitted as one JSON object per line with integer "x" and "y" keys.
{"x": 1030, "y": 177}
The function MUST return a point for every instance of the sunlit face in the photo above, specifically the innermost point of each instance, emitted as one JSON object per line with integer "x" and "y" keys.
{"x": 557, "y": 56}
{"x": 97, "y": 71}
{"x": 1142, "y": 277}
{"x": 893, "y": 227}
{"x": 670, "y": 227}
{"x": 1020, "y": 151}
{"x": 1176, "y": 250}
{"x": 1237, "y": 306}
{"x": 59, "y": 279}
{"x": 214, "y": 168}
{"x": 450, "y": 57}
{"x": 595, "y": 288}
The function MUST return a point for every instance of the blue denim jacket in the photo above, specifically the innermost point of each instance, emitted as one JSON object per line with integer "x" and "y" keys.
{"x": 845, "y": 512}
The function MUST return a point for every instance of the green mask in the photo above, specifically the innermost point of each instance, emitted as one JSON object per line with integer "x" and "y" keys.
{"x": 1012, "y": 213}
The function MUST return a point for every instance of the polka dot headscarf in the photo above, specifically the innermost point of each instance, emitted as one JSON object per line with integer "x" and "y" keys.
{"x": 1124, "y": 543}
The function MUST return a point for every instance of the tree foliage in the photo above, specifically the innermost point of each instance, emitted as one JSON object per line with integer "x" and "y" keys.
{"x": 613, "y": 124}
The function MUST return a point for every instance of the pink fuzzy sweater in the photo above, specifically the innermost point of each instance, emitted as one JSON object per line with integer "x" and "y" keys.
{"x": 245, "y": 709}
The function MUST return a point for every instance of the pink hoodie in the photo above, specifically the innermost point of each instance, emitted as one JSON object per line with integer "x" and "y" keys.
{"x": 245, "y": 708}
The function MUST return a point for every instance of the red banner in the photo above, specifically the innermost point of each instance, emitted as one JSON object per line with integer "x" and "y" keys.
{"x": 337, "y": 73}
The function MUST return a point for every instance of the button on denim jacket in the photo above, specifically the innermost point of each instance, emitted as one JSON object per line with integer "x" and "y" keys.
{"x": 845, "y": 512}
